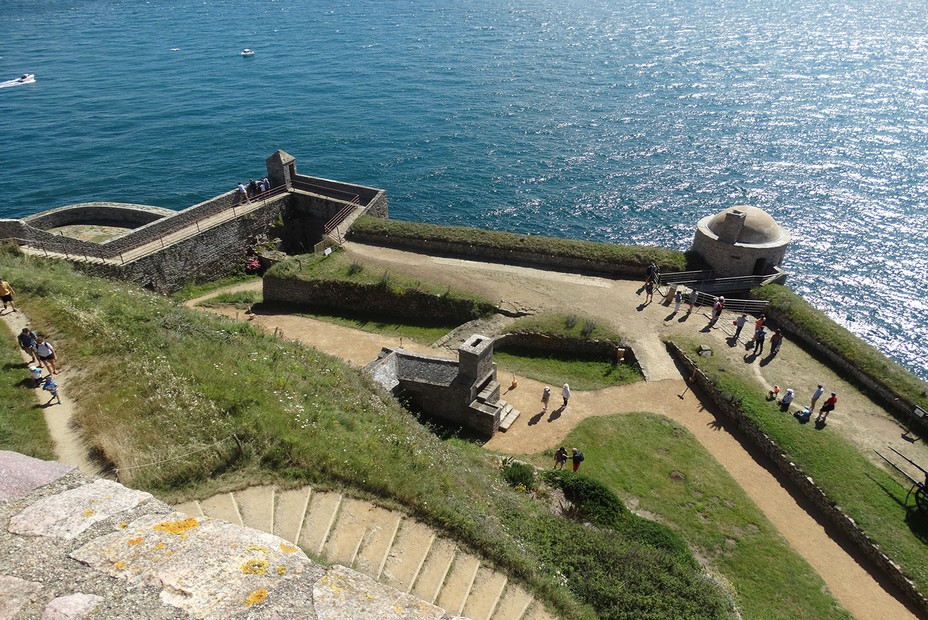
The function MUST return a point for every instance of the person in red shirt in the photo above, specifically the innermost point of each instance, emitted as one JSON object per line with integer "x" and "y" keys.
{"x": 827, "y": 408}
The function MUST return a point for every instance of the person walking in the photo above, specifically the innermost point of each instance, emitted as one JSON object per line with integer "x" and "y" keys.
{"x": 815, "y": 396}
{"x": 739, "y": 323}
{"x": 565, "y": 392}
{"x": 693, "y": 299}
{"x": 717, "y": 308}
{"x": 560, "y": 458}
{"x": 545, "y": 397}
{"x": 677, "y": 300}
{"x": 46, "y": 353}
{"x": 759, "y": 337}
{"x": 775, "y": 341}
{"x": 6, "y": 294}
{"x": 242, "y": 193}
{"x": 27, "y": 343}
{"x": 577, "y": 458}
{"x": 52, "y": 388}
{"x": 827, "y": 408}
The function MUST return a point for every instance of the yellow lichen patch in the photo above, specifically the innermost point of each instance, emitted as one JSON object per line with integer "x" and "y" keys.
{"x": 89, "y": 512}
{"x": 258, "y": 596}
{"x": 260, "y": 548}
{"x": 177, "y": 527}
{"x": 123, "y": 525}
{"x": 159, "y": 547}
{"x": 255, "y": 567}
{"x": 281, "y": 570}
{"x": 287, "y": 548}
{"x": 119, "y": 565}
{"x": 135, "y": 541}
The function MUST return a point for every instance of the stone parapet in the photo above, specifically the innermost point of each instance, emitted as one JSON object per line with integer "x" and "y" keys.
{"x": 806, "y": 485}
{"x": 545, "y": 343}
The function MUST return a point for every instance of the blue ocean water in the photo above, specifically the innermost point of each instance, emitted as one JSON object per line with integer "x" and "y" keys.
{"x": 610, "y": 120}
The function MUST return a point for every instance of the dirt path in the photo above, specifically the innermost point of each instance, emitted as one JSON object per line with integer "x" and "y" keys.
{"x": 856, "y": 585}
{"x": 69, "y": 445}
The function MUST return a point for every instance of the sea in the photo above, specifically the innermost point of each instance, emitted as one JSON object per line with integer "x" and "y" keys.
{"x": 610, "y": 120}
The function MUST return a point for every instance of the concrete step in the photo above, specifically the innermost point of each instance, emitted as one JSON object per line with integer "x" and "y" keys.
{"x": 458, "y": 583}
{"x": 382, "y": 526}
{"x": 323, "y": 508}
{"x": 512, "y": 604}
{"x": 290, "y": 513}
{"x": 190, "y": 508}
{"x": 222, "y": 506}
{"x": 347, "y": 532}
{"x": 488, "y": 392}
{"x": 508, "y": 417}
{"x": 256, "y": 505}
{"x": 537, "y": 611}
{"x": 484, "y": 594}
{"x": 407, "y": 555}
{"x": 434, "y": 570}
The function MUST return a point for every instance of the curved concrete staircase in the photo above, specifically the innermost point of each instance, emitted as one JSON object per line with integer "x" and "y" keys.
{"x": 386, "y": 545}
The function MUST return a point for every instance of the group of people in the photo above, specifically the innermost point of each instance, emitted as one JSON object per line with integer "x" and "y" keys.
{"x": 41, "y": 353}
{"x": 561, "y": 456}
{"x": 760, "y": 335}
{"x": 546, "y": 397}
{"x": 806, "y": 413}
{"x": 253, "y": 189}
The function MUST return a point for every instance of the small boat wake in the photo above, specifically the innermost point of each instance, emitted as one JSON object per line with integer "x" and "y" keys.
{"x": 25, "y": 78}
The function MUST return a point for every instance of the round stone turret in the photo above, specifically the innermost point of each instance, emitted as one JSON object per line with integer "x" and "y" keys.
{"x": 741, "y": 241}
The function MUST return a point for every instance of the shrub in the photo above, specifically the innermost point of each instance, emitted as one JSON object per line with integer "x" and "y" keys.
{"x": 519, "y": 474}
{"x": 594, "y": 501}
{"x": 354, "y": 268}
{"x": 571, "y": 321}
{"x": 588, "y": 327}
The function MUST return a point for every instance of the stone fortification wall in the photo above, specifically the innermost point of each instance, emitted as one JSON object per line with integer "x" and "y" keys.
{"x": 545, "y": 343}
{"x": 345, "y": 190}
{"x": 366, "y": 298}
{"x": 110, "y": 213}
{"x": 902, "y": 409}
{"x": 502, "y": 255}
{"x": 803, "y": 482}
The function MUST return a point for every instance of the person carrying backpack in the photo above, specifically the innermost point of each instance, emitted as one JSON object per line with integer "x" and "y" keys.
{"x": 577, "y": 458}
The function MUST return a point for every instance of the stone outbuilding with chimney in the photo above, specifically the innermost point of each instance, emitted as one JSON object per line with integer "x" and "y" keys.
{"x": 741, "y": 241}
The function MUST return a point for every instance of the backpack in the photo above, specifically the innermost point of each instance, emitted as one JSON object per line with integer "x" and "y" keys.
{"x": 580, "y": 457}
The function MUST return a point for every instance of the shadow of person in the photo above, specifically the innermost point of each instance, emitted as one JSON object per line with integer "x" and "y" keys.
{"x": 716, "y": 424}
{"x": 556, "y": 413}
{"x": 642, "y": 306}
{"x": 28, "y": 382}
{"x": 732, "y": 342}
{"x": 819, "y": 425}
{"x": 17, "y": 365}
{"x": 767, "y": 359}
{"x": 535, "y": 419}
{"x": 707, "y": 328}
{"x": 749, "y": 358}
{"x": 683, "y": 318}
{"x": 640, "y": 290}
{"x": 670, "y": 316}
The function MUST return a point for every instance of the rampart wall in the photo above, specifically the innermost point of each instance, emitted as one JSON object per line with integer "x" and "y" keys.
{"x": 110, "y": 213}
{"x": 803, "y": 482}
{"x": 539, "y": 342}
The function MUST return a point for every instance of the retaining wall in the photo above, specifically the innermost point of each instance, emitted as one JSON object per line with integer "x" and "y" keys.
{"x": 546, "y": 343}
{"x": 803, "y": 482}
{"x": 354, "y": 297}
{"x": 112, "y": 213}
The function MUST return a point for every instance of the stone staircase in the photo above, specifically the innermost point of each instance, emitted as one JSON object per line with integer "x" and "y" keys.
{"x": 385, "y": 545}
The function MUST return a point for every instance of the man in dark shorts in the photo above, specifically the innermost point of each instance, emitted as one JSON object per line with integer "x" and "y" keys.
{"x": 27, "y": 343}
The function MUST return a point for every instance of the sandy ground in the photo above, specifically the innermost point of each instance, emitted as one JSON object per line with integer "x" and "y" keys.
{"x": 856, "y": 584}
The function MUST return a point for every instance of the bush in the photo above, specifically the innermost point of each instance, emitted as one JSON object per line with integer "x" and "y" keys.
{"x": 519, "y": 474}
{"x": 594, "y": 501}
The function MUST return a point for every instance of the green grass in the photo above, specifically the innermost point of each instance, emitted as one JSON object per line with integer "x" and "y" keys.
{"x": 635, "y": 256}
{"x": 239, "y": 299}
{"x": 866, "y": 358}
{"x": 635, "y": 456}
{"x": 868, "y": 494}
{"x": 423, "y": 333}
{"x": 581, "y": 374}
{"x": 566, "y": 326}
{"x": 186, "y": 403}
{"x": 22, "y": 425}
{"x": 193, "y": 290}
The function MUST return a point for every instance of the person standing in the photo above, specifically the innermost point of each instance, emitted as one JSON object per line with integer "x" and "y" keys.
{"x": 827, "y": 408}
{"x": 648, "y": 292}
{"x": 577, "y": 458}
{"x": 759, "y": 337}
{"x": 6, "y": 294}
{"x": 545, "y": 397}
{"x": 717, "y": 308}
{"x": 740, "y": 322}
{"x": 677, "y": 300}
{"x": 27, "y": 343}
{"x": 775, "y": 341}
{"x": 242, "y": 193}
{"x": 815, "y": 396}
{"x": 565, "y": 392}
{"x": 46, "y": 353}
{"x": 560, "y": 458}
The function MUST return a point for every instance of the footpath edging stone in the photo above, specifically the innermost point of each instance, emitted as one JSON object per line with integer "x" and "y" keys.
{"x": 867, "y": 546}
{"x": 76, "y": 547}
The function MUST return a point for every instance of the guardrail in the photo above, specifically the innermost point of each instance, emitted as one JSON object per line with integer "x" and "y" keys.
{"x": 341, "y": 216}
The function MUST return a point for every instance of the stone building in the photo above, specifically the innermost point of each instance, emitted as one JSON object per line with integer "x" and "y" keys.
{"x": 741, "y": 241}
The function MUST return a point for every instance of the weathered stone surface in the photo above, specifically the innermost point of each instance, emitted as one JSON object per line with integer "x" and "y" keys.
{"x": 21, "y": 474}
{"x": 347, "y": 595}
{"x": 14, "y": 593}
{"x": 78, "y": 605}
{"x": 208, "y": 568}
{"x": 68, "y": 514}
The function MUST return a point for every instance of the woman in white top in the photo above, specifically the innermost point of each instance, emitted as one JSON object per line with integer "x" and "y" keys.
{"x": 46, "y": 353}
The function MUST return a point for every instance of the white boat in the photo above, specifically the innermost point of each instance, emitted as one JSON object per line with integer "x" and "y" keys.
{"x": 248, "y": 52}
{"x": 25, "y": 78}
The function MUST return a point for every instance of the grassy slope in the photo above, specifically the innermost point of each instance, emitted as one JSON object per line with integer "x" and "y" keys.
{"x": 22, "y": 425}
{"x": 707, "y": 508}
{"x": 167, "y": 385}
{"x": 865, "y": 492}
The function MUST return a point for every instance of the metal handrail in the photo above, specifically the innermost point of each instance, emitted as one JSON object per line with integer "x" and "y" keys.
{"x": 327, "y": 191}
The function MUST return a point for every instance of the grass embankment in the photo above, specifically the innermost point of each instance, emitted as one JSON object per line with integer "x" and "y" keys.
{"x": 22, "y": 425}
{"x": 192, "y": 290}
{"x": 651, "y": 459}
{"x": 186, "y": 403}
{"x": 619, "y": 255}
{"x": 555, "y": 368}
{"x": 868, "y": 494}
{"x": 866, "y": 358}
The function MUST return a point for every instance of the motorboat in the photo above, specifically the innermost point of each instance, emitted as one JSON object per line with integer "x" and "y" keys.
{"x": 25, "y": 78}
{"x": 248, "y": 52}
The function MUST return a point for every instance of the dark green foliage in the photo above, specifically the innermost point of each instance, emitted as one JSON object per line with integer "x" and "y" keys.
{"x": 588, "y": 327}
{"x": 594, "y": 501}
{"x": 519, "y": 475}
